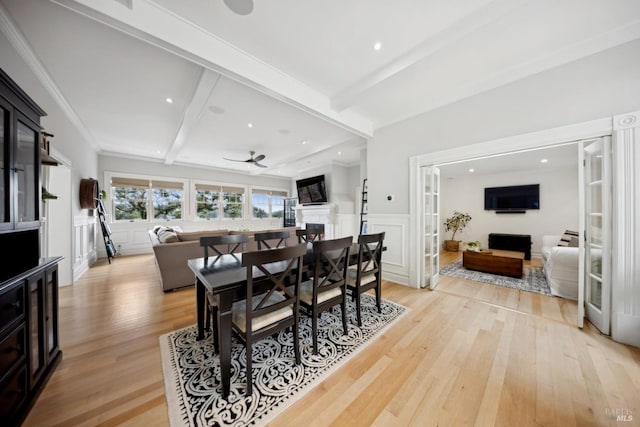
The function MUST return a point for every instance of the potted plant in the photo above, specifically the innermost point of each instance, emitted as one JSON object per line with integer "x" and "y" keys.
{"x": 455, "y": 223}
{"x": 473, "y": 246}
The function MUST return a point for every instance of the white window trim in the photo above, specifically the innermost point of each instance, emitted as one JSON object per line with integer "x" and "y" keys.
{"x": 270, "y": 189}
{"x": 108, "y": 175}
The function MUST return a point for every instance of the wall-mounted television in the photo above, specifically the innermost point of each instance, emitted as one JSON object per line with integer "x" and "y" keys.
{"x": 312, "y": 191}
{"x": 512, "y": 198}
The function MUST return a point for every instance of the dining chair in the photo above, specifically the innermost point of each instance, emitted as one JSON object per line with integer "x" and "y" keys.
{"x": 327, "y": 287}
{"x": 271, "y": 239}
{"x": 272, "y": 302}
{"x": 219, "y": 245}
{"x": 310, "y": 234}
{"x": 367, "y": 272}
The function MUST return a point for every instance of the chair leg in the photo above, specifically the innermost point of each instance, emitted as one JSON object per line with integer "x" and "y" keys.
{"x": 216, "y": 332}
{"x": 345, "y": 331}
{"x": 296, "y": 341}
{"x": 314, "y": 330}
{"x": 249, "y": 376}
{"x": 207, "y": 322}
{"x": 379, "y": 296}
{"x": 358, "y": 311}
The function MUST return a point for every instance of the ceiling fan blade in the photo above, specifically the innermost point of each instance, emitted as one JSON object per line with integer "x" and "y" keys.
{"x": 258, "y": 158}
{"x": 234, "y": 160}
{"x": 260, "y": 165}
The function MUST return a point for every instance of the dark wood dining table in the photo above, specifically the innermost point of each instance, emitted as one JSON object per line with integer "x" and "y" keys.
{"x": 225, "y": 277}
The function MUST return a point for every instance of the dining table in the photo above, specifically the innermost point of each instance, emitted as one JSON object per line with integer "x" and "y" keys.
{"x": 225, "y": 277}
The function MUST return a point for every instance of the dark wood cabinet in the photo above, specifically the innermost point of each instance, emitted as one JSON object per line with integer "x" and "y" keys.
{"x": 29, "y": 347}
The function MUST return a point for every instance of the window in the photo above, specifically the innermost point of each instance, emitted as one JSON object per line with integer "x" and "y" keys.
{"x": 130, "y": 198}
{"x": 135, "y": 199}
{"x": 167, "y": 200}
{"x": 233, "y": 202}
{"x": 207, "y": 201}
{"x": 267, "y": 203}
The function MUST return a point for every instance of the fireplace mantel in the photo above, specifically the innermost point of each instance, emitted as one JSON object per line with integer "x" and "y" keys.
{"x": 318, "y": 214}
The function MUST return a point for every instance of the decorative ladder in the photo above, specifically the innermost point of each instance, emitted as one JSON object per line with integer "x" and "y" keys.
{"x": 363, "y": 208}
{"x": 106, "y": 231}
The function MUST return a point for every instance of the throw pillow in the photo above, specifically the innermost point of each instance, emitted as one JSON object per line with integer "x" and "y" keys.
{"x": 566, "y": 238}
{"x": 167, "y": 236}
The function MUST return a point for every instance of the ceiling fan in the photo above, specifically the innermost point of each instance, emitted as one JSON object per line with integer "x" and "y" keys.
{"x": 252, "y": 159}
{"x": 241, "y": 7}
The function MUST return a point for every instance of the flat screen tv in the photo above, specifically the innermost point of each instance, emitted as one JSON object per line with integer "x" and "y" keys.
{"x": 513, "y": 198}
{"x": 312, "y": 191}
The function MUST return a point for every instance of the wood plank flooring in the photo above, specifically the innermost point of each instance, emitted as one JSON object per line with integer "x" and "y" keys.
{"x": 465, "y": 354}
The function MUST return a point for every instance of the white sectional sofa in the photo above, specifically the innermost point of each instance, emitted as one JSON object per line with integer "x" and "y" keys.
{"x": 560, "y": 267}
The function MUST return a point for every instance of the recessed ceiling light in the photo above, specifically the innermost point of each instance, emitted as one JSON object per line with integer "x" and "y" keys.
{"x": 158, "y": 151}
{"x": 377, "y": 46}
{"x": 339, "y": 153}
{"x": 304, "y": 142}
{"x": 250, "y": 125}
{"x": 169, "y": 101}
{"x": 544, "y": 161}
{"x": 472, "y": 170}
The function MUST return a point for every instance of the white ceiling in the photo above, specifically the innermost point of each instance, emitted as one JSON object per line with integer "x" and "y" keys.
{"x": 298, "y": 71}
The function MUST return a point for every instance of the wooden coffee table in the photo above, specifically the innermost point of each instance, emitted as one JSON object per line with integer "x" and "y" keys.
{"x": 505, "y": 263}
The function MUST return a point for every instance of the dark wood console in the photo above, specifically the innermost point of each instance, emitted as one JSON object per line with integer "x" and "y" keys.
{"x": 511, "y": 242}
{"x": 29, "y": 347}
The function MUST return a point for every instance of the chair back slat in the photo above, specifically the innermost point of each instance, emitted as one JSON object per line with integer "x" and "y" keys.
{"x": 370, "y": 253}
{"x": 273, "y": 280}
{"x": 331, "y": 262}
{"x": 312, "y": 233}
{"x": 225, "y": 244}
{"x": 271, "y": 239}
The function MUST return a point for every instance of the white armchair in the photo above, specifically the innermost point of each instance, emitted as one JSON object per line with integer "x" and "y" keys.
{"x": 560, "y": 267}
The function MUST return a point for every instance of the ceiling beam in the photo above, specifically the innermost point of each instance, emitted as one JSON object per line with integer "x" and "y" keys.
{"x": 154, "y": 24}
{"x": 193, "y": 112}
{"x": 460, "y": 29}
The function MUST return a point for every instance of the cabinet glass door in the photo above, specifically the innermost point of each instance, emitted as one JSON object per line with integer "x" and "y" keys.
{"x": 27, "y": 174}
{"x": 5, "y": 182}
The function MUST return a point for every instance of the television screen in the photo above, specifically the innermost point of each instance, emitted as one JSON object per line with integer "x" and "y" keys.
{"x": 516, "y": 197}
{"x": 311, "y": 190}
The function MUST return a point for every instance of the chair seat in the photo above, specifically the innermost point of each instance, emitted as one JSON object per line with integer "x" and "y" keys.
{"x": 239, "y": 313}
{"x": 352, "y": 275}
{"x": 306, "y": 293}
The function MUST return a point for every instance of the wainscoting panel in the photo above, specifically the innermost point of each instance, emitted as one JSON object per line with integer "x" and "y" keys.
{"x": 395, "y": 262}
{"x": 84, "y": 244}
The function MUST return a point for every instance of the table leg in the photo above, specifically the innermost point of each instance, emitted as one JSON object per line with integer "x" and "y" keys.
{"x": 224, "y": 335}
{"x": 200, "y": 296}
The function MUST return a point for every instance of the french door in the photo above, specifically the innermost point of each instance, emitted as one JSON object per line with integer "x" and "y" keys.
{"x": 594, "y": 292}
{"x": 431, "y": 226}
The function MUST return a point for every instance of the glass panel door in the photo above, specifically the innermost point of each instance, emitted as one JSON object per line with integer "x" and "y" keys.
{"x": 595, "y": 254}
{"x": 5, "y": 182}
{"x": 431, "y": 221}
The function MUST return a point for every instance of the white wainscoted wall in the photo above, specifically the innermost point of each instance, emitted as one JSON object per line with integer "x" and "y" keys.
{"x": 84, "y": 244}
{"x": 395, "y": 260}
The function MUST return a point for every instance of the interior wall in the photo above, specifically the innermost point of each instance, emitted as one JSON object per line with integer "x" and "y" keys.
{"x": 68, "y": 143}
{"x": 558, "y": 211}
{"x": 594, "y": 87}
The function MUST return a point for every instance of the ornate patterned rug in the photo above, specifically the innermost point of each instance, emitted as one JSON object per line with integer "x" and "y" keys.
{"x": 533, "y": 279}
{"x": 191, "y": 373}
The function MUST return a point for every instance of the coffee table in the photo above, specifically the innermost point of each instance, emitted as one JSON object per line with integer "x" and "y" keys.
{"x": 505, "y": 263}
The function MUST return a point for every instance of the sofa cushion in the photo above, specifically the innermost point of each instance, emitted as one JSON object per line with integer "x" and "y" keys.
{"x": 188, "y": 236}
{"x": 167, "y": 236}
{"x": 569, "y": 238}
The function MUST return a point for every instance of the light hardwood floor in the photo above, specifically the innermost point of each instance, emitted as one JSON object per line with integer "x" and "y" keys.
{"x": 465, "y": 354}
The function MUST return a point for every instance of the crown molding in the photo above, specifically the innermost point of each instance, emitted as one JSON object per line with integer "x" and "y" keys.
{"x": 22, "y": 46}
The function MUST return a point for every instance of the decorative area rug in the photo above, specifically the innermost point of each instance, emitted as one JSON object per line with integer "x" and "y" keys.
{"x": 533, "y": 279}
{"x": 192, "y": 372}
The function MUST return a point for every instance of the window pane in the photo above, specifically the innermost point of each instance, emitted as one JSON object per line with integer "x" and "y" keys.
{"x": 277, "y": 205}
{"x": 167, "y": 203}
{"x": 233, "y": 203}
{"x": 207, "y": 204}
{"x": 260, "y": 203}
{"x": 130, "y": 203}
